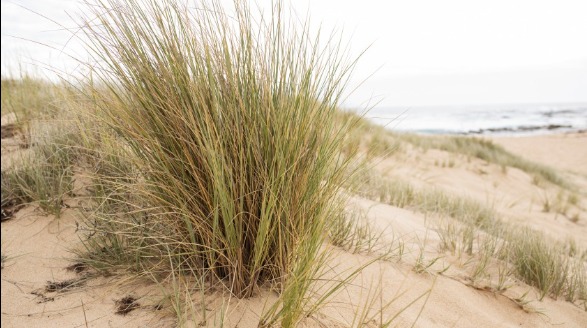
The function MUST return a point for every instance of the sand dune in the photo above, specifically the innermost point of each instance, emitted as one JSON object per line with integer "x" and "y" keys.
{"x": 424, "y": 285}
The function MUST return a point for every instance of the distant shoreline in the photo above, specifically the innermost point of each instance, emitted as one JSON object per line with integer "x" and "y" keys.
{"x": 510, "y": 120}
{"x": 523, "y": 131}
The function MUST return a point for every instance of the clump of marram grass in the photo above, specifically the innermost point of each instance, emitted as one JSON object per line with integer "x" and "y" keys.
{"x": 230, "y": 120}
{"x": 544, "y": 264}
{"x": 43, "y": 176}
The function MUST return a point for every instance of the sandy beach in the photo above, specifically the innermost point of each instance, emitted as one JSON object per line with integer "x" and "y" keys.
{"x": 566, "y": 152}
{"x": 419, "y": 283}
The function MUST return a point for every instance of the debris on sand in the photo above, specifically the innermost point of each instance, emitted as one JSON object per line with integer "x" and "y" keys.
{"x": 9, "y": 131}
{"x": 77, "y": 267}
{"x": 126, "y": 304}
{"x": 59, "y": 286}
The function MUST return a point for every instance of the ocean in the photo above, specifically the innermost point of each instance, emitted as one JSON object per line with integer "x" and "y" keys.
{"x": 483, "y": 120}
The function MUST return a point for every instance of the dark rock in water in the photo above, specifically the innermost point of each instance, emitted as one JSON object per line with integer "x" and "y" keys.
{"x": 556, "y": 126}
{"x": 557, "y": 112}
{"x": 523, "y": 128}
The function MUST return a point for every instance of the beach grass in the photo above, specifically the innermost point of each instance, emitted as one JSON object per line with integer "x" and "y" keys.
{"x": 217, "y": 158}
{"x": 478, "y": 232}
{"x": 353, "y": 233}
{"x": 43, "y": 175}
{"x": 230, "y": 122}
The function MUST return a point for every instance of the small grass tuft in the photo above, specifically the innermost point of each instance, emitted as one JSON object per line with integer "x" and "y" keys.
{"x": 351, "y": 232}
{"x": 45, "y": 177}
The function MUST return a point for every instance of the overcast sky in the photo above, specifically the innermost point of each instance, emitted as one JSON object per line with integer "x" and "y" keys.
{"x": 422, "y": 52}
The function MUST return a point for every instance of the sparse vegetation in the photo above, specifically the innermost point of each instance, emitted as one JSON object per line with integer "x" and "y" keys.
{"x": 487, "y": 151}
{"x": 543, "y": 264}
{"x": 402, "y": 194}
{"x": 468, "y": 146}
{"x": 381, "y": 144}
{"x": 43, "y": 172}
{"x": 44, "y": 176}
{"x": 531, "y": 255}
{"x": 353, "y": 233}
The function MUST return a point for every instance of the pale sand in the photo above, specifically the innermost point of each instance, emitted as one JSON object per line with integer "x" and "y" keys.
{"x": 564, "y": 151}
{"x": 38, "y": 245}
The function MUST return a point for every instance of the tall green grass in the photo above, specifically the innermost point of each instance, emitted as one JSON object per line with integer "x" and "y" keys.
{"x": 230, "y": 121}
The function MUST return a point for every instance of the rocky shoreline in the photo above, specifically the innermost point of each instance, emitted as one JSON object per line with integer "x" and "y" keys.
{"x": 524, "y": 128}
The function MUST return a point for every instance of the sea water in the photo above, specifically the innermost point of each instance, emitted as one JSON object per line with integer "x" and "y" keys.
{"x": 486, "y": 119}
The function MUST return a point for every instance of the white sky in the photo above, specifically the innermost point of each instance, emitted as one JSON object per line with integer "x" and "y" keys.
{"x": 423, "y": 52}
